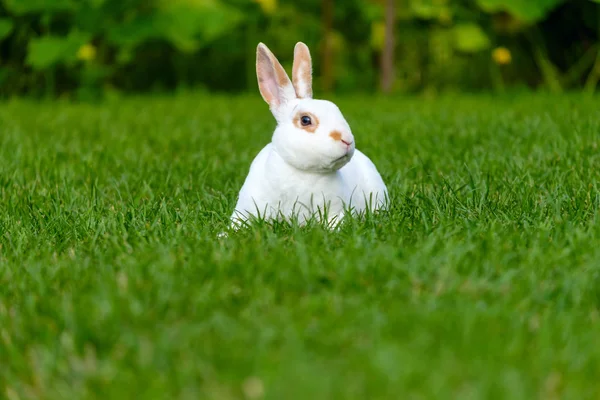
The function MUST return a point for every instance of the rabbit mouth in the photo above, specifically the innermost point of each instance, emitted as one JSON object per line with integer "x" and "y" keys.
{"x": 346, "y": 156}
{"x": 340, "y": 161}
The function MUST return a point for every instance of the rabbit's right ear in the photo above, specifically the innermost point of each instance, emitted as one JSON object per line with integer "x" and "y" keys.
{"x": 302, "y": 71}
{"x": 273, "y": 82}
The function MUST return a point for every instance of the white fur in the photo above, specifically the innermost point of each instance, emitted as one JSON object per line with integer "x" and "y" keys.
{"x": 302, "y": 174}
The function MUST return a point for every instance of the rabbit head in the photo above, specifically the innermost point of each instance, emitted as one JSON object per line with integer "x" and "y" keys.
{"x": 311, "y": 135}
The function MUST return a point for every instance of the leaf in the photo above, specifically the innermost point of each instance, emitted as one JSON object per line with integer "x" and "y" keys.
{"x": 529, "y": 11}
{"x": 6, "y": 27}
{"x": 134, "y": 32}
{"x": 428, "y": 10}
{"x": 372, "y": 11}
{"x": 268, "y": 6}
{"x": 470, "y": 38}
{"x": 203, "y": 22}
{"x": 20, "y": 7}
{"x": 47, "y": 51}
{"x": 184, "y": 24}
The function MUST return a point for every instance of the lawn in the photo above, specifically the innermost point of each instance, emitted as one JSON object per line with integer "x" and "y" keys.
{"x": 482, "y": 281}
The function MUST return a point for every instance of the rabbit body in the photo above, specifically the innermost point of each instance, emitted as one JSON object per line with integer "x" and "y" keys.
{"x": 275, "y": 189}
{"x": 312, "y": 166}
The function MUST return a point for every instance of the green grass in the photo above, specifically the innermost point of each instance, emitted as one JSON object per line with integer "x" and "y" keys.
{"x": 482, "y": 281}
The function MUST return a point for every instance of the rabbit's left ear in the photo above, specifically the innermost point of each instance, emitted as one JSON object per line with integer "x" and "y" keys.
{"x": 302, "y": 71}
{"x": 274, "y": 84}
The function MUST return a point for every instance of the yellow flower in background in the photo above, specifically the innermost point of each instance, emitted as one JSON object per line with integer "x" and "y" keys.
{"x": 501, "y": 55}
{"x": 87, "y": 52}
{"x": 268, "y": 6}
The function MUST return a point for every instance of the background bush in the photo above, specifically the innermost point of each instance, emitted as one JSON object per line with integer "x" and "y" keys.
{"x": 87, "y": 48}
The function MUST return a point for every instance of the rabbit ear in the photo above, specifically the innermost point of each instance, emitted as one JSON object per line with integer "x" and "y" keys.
{"x": 302, "y": 71}
{"x": 273, "y": 82}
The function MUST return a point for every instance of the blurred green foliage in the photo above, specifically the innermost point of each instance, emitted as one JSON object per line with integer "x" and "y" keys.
{"x": 87, "y": 48}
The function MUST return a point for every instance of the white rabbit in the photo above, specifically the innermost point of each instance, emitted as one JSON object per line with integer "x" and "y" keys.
{"x": 311, "y": 165}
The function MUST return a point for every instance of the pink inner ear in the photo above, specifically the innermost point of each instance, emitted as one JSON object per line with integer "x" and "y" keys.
{"x": 267, "y": 83}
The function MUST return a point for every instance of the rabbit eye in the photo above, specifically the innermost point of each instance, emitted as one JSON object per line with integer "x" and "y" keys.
{"x": 304, "y": 120}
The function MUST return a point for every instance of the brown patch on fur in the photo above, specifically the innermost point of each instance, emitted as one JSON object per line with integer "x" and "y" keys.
{"x": 282, "y": 78}
{"x": 302, "y": 71}
{"x": 335, "y": 135}
{"x": 310, "y": 128}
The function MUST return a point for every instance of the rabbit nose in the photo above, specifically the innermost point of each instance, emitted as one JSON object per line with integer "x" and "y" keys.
{"x": 337, "y": 135}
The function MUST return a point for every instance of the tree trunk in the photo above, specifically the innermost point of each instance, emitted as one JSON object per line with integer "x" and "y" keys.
{"x": 387, "y": 55}
{"x": 327, "y": 61}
